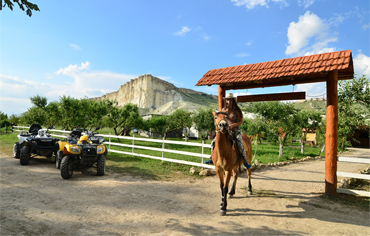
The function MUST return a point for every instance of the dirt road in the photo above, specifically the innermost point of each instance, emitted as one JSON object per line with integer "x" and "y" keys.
{"x": 35, "y": 200}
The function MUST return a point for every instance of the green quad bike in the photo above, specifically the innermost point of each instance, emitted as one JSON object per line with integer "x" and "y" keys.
{"x": 37, "y": 142}
{"x": 80, "y": 151}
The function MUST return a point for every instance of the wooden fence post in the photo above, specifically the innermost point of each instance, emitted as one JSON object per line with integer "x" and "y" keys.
{"x": 133, "y": 144}
{"x": 331, "y": 151}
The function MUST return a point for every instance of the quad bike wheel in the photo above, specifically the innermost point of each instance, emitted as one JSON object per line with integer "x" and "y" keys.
{"x": 16, "y": 150}
{"x": 101, "y": 165}
{"x": 25, "y": 155}
{"x": 66, "y": 167}
{"x": 58, "y": 159}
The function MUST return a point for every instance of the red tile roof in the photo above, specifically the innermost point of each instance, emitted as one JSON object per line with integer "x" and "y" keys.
{"x": 307, "y": 69}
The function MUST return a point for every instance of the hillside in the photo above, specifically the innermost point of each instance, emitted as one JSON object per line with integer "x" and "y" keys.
{"x": 316, "y": 104}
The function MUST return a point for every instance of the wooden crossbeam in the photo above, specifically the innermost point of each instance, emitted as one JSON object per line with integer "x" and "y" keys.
{"x": 272, "y": 97}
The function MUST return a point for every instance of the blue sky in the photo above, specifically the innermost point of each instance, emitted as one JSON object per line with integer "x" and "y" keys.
{"x": 84, "y": 48}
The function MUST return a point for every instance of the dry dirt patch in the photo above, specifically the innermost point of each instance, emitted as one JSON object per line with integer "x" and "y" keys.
{"x": 35, "y": 200}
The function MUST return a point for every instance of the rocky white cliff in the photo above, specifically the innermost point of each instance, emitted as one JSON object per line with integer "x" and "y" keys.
{"x": 158, "y": 96}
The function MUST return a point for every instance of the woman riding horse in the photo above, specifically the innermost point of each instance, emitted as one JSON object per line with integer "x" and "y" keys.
{"x": 235, "y": 119}
{"x": 225, "y": 156}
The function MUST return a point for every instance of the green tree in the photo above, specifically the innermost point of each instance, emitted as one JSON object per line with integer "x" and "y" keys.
{"x": 204, "y": 122}
{"x": 53, "y": 114}
{"x": 256, "y": 128}
{"x": 3, "y": 116}
{"x": 280, "y": 118}
{"x": 35, "y": 115}
{"x": 307, "y": 120}
{"x": 15, "y": 119}
{"x": 4, "y": 120}
{"x": 93, "y": 112}
{"x": 353, "y": 108}
{"x": 180, "y": 119}
{"x": 39, "y": 101}
{"x": 23, "y": 4}
{"x": 71, "y": 113}
{"x": 158, "y": 124}
{"x": 123, "y": 120}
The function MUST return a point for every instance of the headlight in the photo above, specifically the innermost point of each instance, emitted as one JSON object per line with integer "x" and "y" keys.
{"x": 101, "y": 149}
{"x": 101, "y": 140}
{"x": 74, "y": 149}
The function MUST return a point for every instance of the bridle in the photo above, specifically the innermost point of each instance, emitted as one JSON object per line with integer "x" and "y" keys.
{"x": 224, "y": 119}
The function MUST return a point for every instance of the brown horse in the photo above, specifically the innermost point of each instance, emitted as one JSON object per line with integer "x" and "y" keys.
{"x": 225, "y": 158}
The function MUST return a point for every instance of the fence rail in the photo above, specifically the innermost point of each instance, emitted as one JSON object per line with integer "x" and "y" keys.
{"x": 133, "y": 146}
{"x": 354, "y": 175}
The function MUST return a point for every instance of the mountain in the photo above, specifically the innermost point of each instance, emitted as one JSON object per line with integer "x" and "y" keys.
{"x": 155, "y": 96}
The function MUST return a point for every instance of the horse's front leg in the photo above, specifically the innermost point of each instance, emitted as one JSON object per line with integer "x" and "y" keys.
{"x": 220, "y": 174}
{"x": 235, "y": 178}
{"x": 224, "y": 194}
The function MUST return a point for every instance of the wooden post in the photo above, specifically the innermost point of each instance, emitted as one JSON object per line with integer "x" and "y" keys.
{"x": 331, "y": 134}
{"x": 221, "y": 95}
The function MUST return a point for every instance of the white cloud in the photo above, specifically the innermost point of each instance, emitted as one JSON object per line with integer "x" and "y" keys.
{"x": 365, "y": 27}
{"x": 305, "y": 3}
{"x": 183, "y": 31}
{"x": 250, "y": 4}
{"x": 91, "y": 83}
{"x": 75, "y": 47}
{"x": 71, "y": 69}
{"x": 242, "y": 55}
{"x": 362, "y": 65}
{"x": 77, "y": 81}
{"x": 206, "y": 37}
{"x": 309, "y": 27}
{"x": 313, "y": 89}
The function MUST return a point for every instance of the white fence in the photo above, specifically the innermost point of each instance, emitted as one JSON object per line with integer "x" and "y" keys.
{"x": 108, "y": 142}
{"x": 353, "y": 175}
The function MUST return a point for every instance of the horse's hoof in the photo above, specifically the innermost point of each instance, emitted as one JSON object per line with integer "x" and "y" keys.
{"x": 222, "y": 213}
{"x": 231, "y": 196}
{"x": 250, "y": 193}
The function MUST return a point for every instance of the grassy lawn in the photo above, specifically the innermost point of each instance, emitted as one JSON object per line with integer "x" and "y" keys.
{"x": 155, "y": 169}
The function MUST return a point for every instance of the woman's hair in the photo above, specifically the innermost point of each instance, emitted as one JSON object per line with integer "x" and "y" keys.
{"x": 235, "y": 106}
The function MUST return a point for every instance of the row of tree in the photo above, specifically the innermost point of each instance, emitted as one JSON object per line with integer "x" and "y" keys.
{"x": 69, "y": 113}
{"x": 275, "y": 121}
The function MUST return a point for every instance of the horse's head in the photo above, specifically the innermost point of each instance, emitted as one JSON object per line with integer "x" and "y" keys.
{"x": 221, "y": 123}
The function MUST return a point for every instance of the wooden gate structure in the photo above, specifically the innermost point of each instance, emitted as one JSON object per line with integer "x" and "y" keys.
{"x": 326, "y": 67}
